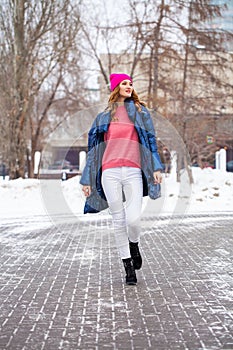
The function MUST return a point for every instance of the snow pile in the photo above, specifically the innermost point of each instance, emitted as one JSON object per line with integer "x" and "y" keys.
{"x": 20, "y": 197}
{"x": 74, "y": 197}
{"x": 212, "y": 191}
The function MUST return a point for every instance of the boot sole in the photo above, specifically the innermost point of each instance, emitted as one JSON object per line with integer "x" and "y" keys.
{"x": 131, "y": 283}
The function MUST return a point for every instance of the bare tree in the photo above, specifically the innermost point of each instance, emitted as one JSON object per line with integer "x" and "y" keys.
{"x": 171, "y": 44}
{"x": 39, "y": 37}
{"x": 174, "y": 58}
{"x": 204, "y": 85}
{"x": 54, "y": 105}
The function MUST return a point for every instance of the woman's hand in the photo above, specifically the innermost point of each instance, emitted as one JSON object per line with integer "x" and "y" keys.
{"x": 157, "y": 177}
{"x": 86, "y": 190}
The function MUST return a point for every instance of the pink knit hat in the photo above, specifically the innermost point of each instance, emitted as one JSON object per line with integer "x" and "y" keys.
{"x": 116, "y": 79}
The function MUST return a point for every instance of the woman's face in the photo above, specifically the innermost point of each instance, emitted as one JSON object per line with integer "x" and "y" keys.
{"x": 126, "y": 89}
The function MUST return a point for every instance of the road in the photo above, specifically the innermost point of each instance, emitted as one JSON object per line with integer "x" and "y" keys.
{"x": 62, "y": 286}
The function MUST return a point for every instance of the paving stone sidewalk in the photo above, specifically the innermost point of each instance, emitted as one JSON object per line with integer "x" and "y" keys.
{"x": 62, "y": 286}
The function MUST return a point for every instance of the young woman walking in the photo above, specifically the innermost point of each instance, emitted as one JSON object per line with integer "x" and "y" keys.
{"x": 123, "y": 165}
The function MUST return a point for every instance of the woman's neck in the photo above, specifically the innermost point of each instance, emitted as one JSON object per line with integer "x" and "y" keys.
{"x": 121, "y": 99}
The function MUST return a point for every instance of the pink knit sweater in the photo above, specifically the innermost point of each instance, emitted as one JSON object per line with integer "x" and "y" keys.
{"x": 122, "y": 147}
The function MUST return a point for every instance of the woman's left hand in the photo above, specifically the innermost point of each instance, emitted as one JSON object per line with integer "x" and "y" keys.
{"x": 157, "y": 177}
{"x": 86, "y": 190}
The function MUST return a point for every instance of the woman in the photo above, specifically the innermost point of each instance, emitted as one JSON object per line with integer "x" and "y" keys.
{"x": 123, "y": 165}
{"x": 166, "y": 160}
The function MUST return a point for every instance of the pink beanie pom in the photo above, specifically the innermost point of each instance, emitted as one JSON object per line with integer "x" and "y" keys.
{"x": 116, "y": 79}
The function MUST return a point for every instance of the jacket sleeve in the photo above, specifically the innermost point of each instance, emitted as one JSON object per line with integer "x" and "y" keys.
{"x": 151, "y": 137}
{"x": 87, "y": 174}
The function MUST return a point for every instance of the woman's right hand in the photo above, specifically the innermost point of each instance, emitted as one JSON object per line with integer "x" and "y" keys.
{"x": 86, "y": 190}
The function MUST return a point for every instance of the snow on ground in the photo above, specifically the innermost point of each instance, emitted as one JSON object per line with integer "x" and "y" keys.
{"x": 212, "y": 191}
{"x": 20, "y": 197}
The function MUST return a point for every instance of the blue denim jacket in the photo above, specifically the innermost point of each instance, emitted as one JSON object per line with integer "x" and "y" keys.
{"x": 150, "y": 160}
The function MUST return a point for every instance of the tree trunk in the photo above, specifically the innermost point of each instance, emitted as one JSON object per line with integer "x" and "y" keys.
{"x": 20, "y": 87}
{"x": 156, "y": 56}
{"x": 183, "y": 103}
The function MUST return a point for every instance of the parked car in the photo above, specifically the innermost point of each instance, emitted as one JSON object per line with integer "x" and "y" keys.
{"x": 62, "y": 165}
{"x": 230, "y": 165}
{"x": 4, "y": 171}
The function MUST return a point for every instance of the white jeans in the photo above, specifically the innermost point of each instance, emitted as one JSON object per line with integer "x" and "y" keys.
{"x": 126, "y": 215}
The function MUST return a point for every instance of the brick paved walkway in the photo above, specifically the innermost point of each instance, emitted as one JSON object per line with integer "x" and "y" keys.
{"x": 62, "y": 287}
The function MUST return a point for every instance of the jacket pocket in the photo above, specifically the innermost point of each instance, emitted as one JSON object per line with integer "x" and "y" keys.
{"x": 94, "y": 203}
{"x": 154, "y": 190}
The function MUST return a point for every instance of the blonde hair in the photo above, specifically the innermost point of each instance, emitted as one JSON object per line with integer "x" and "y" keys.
{"x": 113, "y": 98}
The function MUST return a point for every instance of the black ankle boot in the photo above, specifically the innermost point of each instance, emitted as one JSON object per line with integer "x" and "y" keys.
{"x": 130, "y": 277}
{"x": 135, "y": 255}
